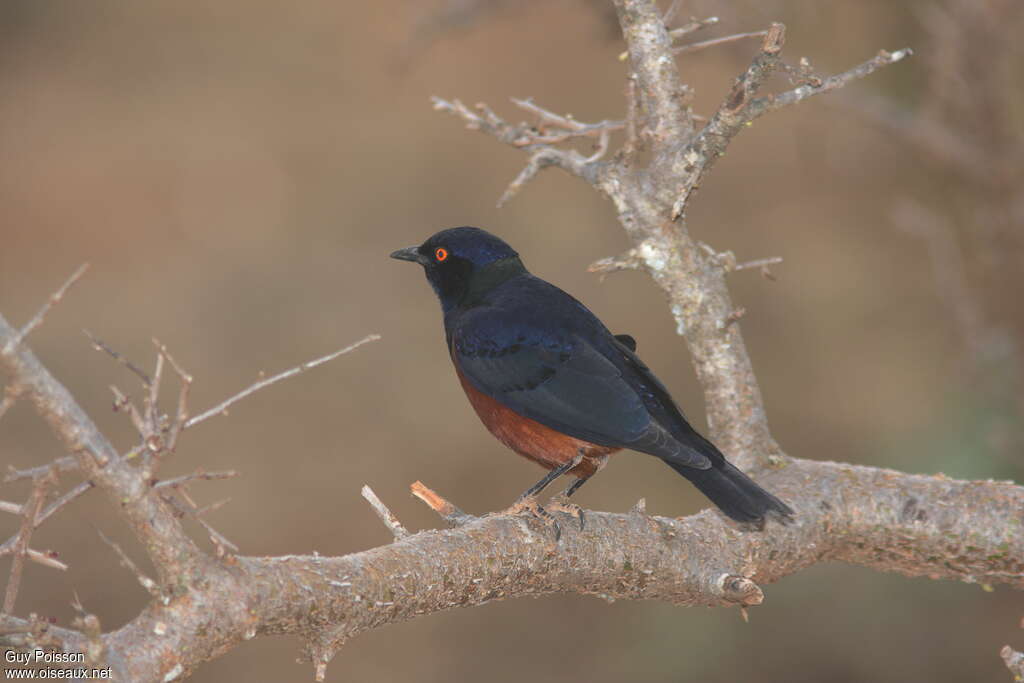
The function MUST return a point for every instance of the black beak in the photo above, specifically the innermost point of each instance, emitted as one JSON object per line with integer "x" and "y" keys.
{"x": 409, "y": 254}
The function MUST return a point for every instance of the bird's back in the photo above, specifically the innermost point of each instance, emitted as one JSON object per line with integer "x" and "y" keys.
{"x": 599, "y": 374}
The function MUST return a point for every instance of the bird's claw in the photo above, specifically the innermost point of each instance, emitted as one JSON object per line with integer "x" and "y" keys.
{"x": 530, "y": 505}
{"x": 562, "y": 504}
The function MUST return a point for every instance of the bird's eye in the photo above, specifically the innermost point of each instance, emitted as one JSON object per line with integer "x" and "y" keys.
{"x": 441, "y": 254}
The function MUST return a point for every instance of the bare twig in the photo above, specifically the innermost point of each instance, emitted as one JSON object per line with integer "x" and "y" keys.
{"x": 149, "y": 584}
{"x": 195, "y": 476}
{"x": 30, "y": 511}
{"x": 694, "y": 47}
{"x": 54, "y": 299}
{"x": 883, "y": 58}
{"x": 385, "y": 514}
{"x": 152, "y": 408}
{"x": 212, "y": 507}
{"x": 221, "y": 408}
{"x": 692, "y": 26}
{"x": 122, "y": 402}
{"x": 181, "y": 417}
{"x": 628, "y": 261}
{"x": 56, "y": 505}
{"x": 758, "y": 263}
{"x": 220, "y": 542}
{"x": 99, "y": 345}
{"x": 742, "y": 106}
{"x": 542, "y": 158}
{"x": 190, "y": 508}
{"x": 47, "y": 559}
{"x": 449, "y": 512}
{"x": 542, "y": 154}
{"x": 569, "y": 126}
{"x": 63, "y": 464}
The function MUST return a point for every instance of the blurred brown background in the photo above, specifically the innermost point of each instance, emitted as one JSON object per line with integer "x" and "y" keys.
{"x": 237, "y": 173}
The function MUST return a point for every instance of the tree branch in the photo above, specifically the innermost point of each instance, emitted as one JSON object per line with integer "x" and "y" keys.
{"x": 928, "y": 526}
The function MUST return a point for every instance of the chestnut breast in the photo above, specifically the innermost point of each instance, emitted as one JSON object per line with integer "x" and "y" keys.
{"x": 530, "y": 438}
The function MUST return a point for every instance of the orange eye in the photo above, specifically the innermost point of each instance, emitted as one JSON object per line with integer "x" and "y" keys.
{"x": 441, "y": 254}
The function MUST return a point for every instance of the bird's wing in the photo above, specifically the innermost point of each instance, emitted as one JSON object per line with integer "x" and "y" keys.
{"x": 564, "y": 383}
{"x": 660, "y": 405}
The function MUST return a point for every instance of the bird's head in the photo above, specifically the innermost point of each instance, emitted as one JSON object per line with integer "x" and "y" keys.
{"x": 462, "y": 264}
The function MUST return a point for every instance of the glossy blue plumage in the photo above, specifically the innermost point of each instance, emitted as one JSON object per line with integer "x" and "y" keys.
{"x": 550, "y": 380}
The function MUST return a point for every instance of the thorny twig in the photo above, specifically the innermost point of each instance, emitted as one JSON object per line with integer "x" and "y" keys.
{"x": 694, "y": 47}
{"x": 181, "y": 416}
{"x": 220, "y": 542}
{"x": 66, "y": 463}
{"x": 149, "y": 584}
{"x": 195, "y": 476}
{"x": 221, "y": 408}
{"x": 542, "y": 154}
{"x": 99, "y": 345}
{"x": 30, "y": 512}
{"x": 54, "y": 299}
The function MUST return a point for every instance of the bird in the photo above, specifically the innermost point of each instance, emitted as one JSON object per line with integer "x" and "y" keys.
{"x": 551, "y": 382}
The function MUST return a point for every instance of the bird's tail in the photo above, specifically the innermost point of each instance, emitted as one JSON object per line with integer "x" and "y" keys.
{"x": 735, "y": 493}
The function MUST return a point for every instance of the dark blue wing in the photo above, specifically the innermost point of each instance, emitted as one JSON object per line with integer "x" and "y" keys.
{"x": 563, "y": 382}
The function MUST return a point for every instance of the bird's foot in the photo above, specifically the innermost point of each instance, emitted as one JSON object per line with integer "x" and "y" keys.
{"x": 561, "y": 503}
{"x": 529, "y": 504}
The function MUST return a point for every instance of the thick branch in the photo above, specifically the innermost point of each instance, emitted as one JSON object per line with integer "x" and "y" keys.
{"x": 650, "y": 57}
{"x": 911, "y": 524}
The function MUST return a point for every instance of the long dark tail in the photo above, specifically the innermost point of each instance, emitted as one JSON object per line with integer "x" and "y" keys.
{"x": 735, "y": 493}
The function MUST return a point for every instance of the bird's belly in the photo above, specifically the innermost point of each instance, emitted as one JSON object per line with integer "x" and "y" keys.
{"x": 531, "y": 439}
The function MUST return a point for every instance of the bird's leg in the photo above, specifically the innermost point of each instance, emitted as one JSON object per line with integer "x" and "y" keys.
{"x": 561, "y": 501}
{"x": 528, "y": 500}
{"x": 580, "y": 481}
{"x": 549, "y": 477}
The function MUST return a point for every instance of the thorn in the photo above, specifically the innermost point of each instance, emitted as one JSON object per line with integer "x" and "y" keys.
{"x": 732, "y": 318}
{"x": 627, "y": 261}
